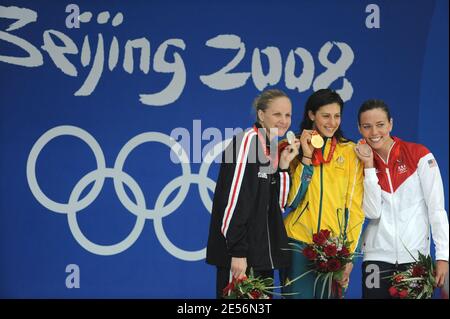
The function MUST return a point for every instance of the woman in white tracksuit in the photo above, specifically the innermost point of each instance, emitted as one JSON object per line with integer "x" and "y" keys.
{"x": 403, "y": 199}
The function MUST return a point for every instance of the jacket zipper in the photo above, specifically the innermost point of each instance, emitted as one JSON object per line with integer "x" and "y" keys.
{"x": 395, "y": 216}
{"x": 268, "y": 233}
{"x": 268, "y": 239}
{"x": 321, "y": 197}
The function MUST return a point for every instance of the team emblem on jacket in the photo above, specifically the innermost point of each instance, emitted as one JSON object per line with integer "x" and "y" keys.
{"x": 340, "y": 161}
{"x": 402, "y": 169}
{"x": 262, "y": 175}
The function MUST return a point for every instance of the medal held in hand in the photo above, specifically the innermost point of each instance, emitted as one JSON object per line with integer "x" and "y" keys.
{"x": 290, "y": 137}
{"x": 316, "y": 140}
{"x": 363, "y": 148}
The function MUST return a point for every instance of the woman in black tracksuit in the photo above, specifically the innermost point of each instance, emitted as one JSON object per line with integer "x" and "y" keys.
{"x": 247, "y": 229}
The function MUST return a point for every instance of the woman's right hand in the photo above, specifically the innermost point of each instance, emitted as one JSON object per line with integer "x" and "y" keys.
{"x": 238, "y": 267}
{"x": 364, "y": 153}
{"x": 305, "y": 141}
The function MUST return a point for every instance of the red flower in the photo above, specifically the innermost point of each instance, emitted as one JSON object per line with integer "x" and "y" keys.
{"x": 309, "y": 253}
{"x": 242, "y": 279}
{"x": 393, "y": 291}
{"x": 319, "y": 239}
{"x": 344, "y": 252}
{"x": 255, "y": 294}
{"x": 333, "y": 265}
{"x": 324, "y": 254}
{"x": 418, "y": 271}
{"x": 330, "y": 250}
{"x": 322, "y": 266}
{"x": 248, "y": 288}
{"x": 325, "y": 233}
{"x": 415, "y": 282}
{"x": 231, "y": 285}
{"x": 403, "y": 293}
{"x": 398, "y": 278}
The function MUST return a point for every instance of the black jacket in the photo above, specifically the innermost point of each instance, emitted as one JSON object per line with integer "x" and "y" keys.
{"x": 249, "y": 199}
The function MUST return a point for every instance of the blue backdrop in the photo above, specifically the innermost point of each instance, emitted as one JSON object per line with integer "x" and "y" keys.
{"x": 92, "y": 92}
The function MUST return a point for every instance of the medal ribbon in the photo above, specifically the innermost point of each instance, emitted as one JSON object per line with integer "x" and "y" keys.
{"x": 317, "y": 157}
{"x": 272, "y": 157}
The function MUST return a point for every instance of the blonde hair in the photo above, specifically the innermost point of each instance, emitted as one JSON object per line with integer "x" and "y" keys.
{"x": 262, "y": 101}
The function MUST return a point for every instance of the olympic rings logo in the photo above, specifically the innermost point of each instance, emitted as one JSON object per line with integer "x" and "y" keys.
{"x": 139, "y": 209}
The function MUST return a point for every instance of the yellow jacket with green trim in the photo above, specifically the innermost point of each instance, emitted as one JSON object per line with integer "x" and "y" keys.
{"x": 327, "y": 196}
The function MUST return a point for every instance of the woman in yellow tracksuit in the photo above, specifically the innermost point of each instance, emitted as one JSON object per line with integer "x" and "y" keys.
{"x": 326, "y": 191}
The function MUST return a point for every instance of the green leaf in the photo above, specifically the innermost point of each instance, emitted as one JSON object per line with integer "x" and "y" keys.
{"x": 329, "y": 286}
{"x": 315, "y": 283}
{"x": 298, "y": 277}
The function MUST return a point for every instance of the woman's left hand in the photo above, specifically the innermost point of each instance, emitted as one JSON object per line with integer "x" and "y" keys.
{"x": 346, "y": 276}
{"x": 441, "y": 272}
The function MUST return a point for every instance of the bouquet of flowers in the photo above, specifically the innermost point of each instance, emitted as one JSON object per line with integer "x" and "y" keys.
{"x": 249, "y": 288}
{"x": 416, "y": 282}
{"x": 328, "y": 257}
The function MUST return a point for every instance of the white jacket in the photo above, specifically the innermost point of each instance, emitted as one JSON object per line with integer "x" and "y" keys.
{"x": 402, "y": 199}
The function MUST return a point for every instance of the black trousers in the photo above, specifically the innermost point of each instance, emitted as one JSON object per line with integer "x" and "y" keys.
{"x": 223, "y": 278}
{"x": 375, "y": 285}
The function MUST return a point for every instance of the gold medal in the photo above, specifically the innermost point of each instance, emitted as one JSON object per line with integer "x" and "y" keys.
{"x": 316, "y": 140}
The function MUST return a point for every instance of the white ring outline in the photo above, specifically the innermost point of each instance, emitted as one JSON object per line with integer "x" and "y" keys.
{"x": 105, "y": 250}
{"x": 186, "y": 171}
{"x": 119, "y": 177}
{"x": 34, "y": 154}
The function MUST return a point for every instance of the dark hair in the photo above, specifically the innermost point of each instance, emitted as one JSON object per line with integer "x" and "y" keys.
{"x": 373, "y": 104}
{"x": 262, "y": 101}
{"x": 316, "y": 101}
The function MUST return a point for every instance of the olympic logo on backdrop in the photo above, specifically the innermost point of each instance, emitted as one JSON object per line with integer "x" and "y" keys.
{"x": 139, "y": 209}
